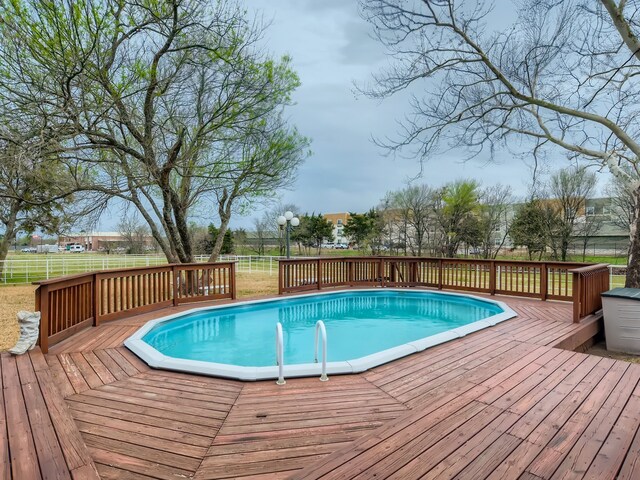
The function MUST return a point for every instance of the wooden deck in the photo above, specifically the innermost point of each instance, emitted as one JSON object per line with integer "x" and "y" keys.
{"x": 501, "y": 403}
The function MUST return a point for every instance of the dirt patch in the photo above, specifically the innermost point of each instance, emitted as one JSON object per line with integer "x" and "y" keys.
{"x": 600, "y": 349}
{"x": 13, "y": 299}
{"x": 255, "y": 284}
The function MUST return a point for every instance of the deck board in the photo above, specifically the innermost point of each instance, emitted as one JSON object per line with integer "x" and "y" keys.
{"x": 502, "y": 403}
{"x": 38, "y": 437}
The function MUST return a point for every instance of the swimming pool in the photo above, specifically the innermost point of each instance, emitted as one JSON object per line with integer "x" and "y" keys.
{"x": 364, "y": 328}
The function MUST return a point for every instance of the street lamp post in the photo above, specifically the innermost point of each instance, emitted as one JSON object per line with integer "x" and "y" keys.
{"x": 287, "y": 221}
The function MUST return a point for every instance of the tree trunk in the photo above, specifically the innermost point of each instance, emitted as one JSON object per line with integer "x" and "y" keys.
{"x": 4, "y": 249}
{"x": 9, "y": 233}
{"x": 217, "y": 247}
{"x": 633, "y": 269}
{"x": 564, "y": 249}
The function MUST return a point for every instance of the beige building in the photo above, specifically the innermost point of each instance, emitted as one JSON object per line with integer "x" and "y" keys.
{"x": 339, "y": 220}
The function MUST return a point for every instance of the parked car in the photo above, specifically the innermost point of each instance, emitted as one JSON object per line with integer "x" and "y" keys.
{"x": 327, "y": 245}
{"x": 341, "y": 246}
{"x": 76, "y": 248}
{"x": 29, "y": 250}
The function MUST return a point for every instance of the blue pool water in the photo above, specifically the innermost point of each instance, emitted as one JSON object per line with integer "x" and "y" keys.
{"x": 357, "y": 324}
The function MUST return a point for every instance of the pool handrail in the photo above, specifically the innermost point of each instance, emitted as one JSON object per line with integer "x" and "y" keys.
{"x": 323, "y": 331}
{"x": 280, "y": 354}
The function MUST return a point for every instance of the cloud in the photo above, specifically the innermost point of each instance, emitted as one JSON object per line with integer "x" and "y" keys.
{"x": 331, "y": 48}
{"x": 360, "y": 47}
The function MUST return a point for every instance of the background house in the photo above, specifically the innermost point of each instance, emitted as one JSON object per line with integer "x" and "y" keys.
{"x": 338, "y": 220}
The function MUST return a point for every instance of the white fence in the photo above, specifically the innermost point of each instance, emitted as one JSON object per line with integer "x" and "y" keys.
{"x": 30, "y": 268}
{"x": 26, "y": 269}
{"x": 617, "y": 275}
{"x": 254, "y": 263}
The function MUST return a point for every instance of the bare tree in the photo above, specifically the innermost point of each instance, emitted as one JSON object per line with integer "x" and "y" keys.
{"x": 565, "y": 74}
{"x": 623, "y": 212}
{"x": 266, "y": 226}
{"x": 413, "y": 206}
{"x": 586, "y": 228}
{"x": 493, "y": 215}
{"x": 134, "y": 233}
{"x": 569, "y": 190}
{"x": 263, "y": 229}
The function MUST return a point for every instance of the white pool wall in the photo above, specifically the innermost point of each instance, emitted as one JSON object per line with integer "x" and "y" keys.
{"x": 156, "y": 359}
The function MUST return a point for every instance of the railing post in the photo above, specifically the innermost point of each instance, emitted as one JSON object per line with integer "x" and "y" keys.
{"x": 440, "y": 266}
{"x": 97, "y": 300}
{"x": 544, "y": 278}
{"x": 42, "y": 304}
{"x": 350, "y": 267}
{"x": 381, "y": 272}
{"x": 174, "y": 270}
{"x": 577, "y": 294}
{"x": 232, "y": 280}
{"x": 492, "y": 277}
{"x": 319, "y": 273}
{"x": 280, "y": 276}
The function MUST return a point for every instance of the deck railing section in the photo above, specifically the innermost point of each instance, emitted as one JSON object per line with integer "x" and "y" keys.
{"x": 69, "y": 304}
{"x": 588, "y": 283}
{"x": 577, "y": 282}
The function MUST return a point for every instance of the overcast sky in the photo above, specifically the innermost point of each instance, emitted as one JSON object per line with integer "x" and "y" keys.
{"x": 331, "y": 49}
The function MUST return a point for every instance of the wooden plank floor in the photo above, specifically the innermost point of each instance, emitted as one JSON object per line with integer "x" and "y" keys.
{"x": 38, "y": 437}
{"x": 501, "y": 403}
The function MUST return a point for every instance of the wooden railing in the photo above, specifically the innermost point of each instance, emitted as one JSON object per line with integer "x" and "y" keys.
{"x": 577, "y": 282}
{"x": 69, "y": 304}
{"x": 588, "y": 283}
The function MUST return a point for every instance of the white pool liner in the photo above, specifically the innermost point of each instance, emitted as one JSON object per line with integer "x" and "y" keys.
{"x": 156, "y": 359}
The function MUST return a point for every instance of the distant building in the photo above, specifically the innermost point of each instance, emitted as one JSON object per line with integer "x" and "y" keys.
{"x": 339, "y": 220}
{"x": 100, "y": 241}
{"x": 609, "y": 233}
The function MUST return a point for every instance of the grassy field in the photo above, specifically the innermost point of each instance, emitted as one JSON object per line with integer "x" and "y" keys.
{"x": 14, "y": 298}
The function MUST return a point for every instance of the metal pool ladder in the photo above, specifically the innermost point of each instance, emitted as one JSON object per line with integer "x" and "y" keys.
{"x": 280, "y": 354}
{"x": 323, "y": 331}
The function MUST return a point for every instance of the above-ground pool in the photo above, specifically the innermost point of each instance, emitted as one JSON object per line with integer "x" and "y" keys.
{"x": 364, "y": 328}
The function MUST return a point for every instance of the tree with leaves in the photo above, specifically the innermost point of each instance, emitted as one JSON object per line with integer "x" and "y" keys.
{"x": 35, "y": 191}
{"x": 226, "y": 244}
{"x": 529, "y": 228}
{"x": 312, "y": 231}
{"x": 170, "y": 105}
{"x": 366, "y": 230}
{"x": 563, "y": 75}
{"x": 456, "y": 204}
